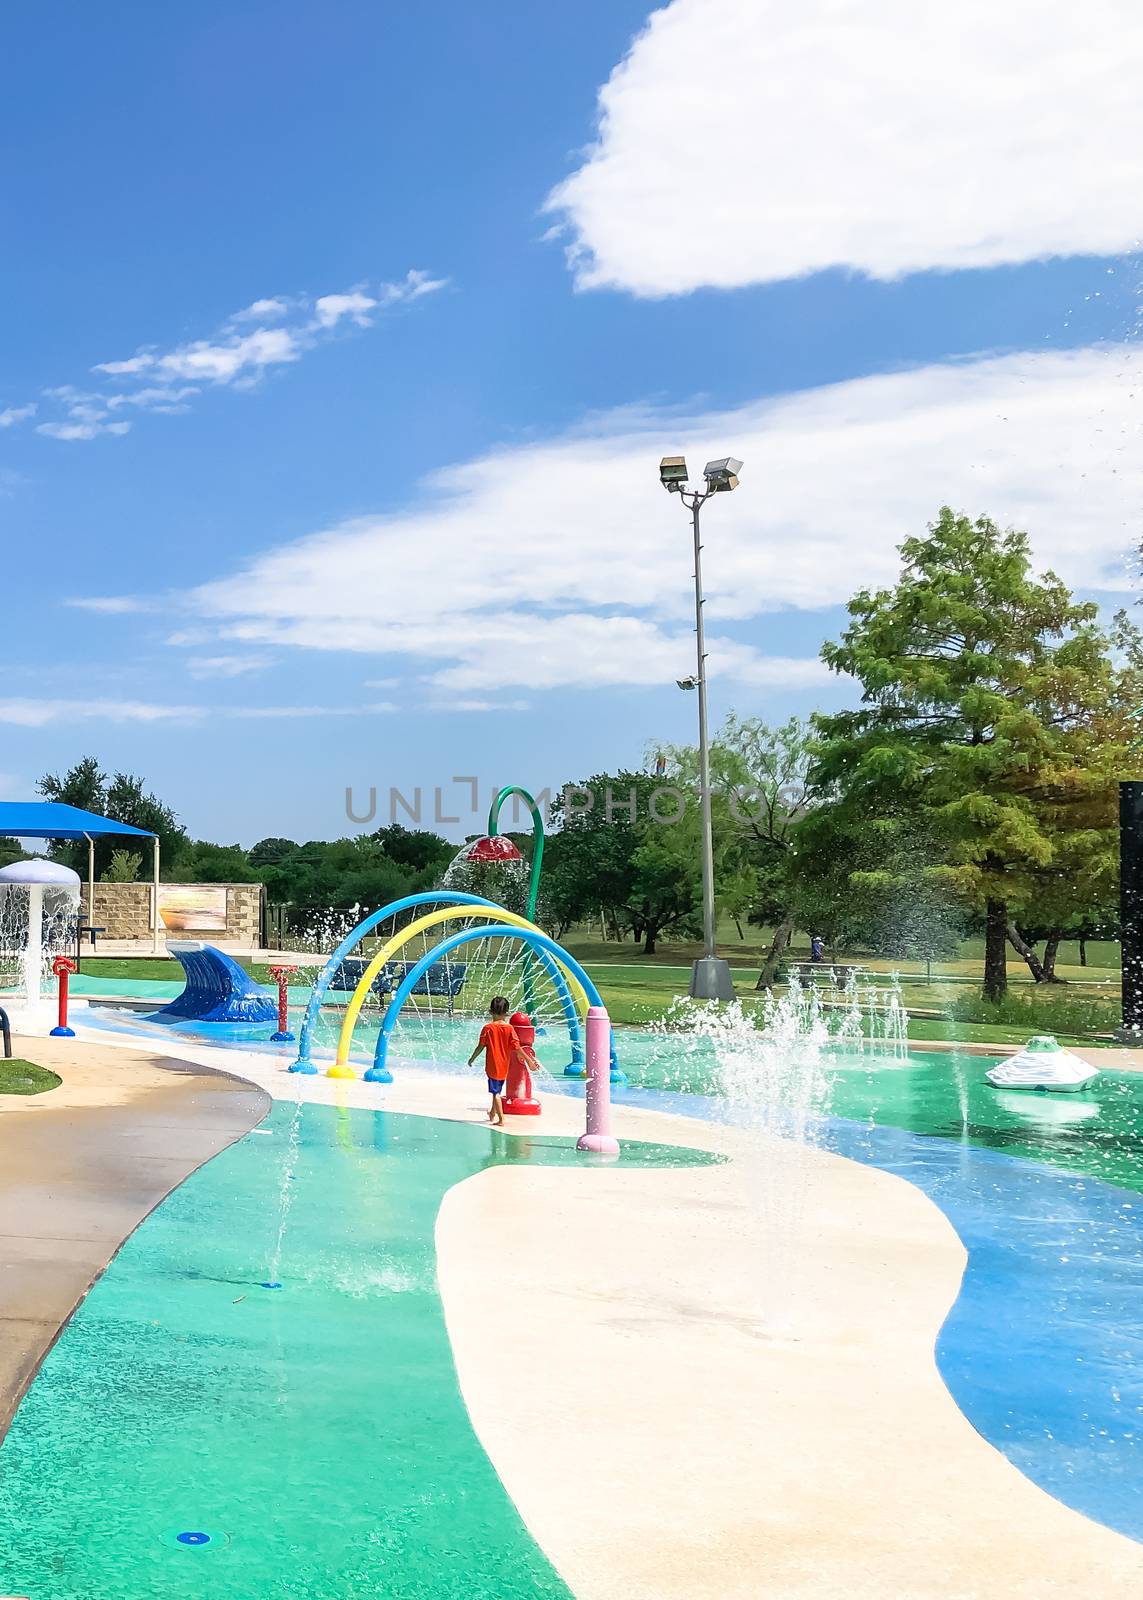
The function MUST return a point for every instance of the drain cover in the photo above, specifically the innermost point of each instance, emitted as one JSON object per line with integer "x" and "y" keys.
{"x": 195, "y": 1539}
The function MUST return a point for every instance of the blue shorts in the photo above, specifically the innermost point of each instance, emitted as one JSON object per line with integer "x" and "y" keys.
{"x": 496, "y": 1085}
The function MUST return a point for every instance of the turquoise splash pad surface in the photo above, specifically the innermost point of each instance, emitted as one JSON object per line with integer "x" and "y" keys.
{"x": 315, "y": 1434}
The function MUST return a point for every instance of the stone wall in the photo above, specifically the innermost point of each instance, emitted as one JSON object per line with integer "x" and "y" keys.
{"x": 123, "y": 910}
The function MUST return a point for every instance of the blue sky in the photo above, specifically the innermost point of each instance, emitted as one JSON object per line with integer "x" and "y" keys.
{"x": 368, "y": 496}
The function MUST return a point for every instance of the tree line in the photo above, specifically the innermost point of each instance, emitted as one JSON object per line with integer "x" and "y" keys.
{"x": 972, "y": 789}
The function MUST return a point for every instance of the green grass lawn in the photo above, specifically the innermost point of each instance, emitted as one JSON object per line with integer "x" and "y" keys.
{"x": 24, "y": 1077}
{"x": 639, "y": 989}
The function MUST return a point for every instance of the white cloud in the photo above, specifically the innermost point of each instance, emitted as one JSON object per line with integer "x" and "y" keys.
{"x": 237, "y": 356}
{"x": 226, "y": 666}
{"x": 288, "y": 713}
{"x": 161, "y": 399}
{"x": 88, "y": 428}
{"x": 16, "y": 414}
{"x": 221, "y": 362}
{"x": 111, "y": 604}
{"x": 477, "y": 706}
{"x": 123, "y": 369}
{"x": 263, "y": 311}
{"x": 27, "y": 713}
{"x": 412, "y": 286}
{"x": 35, "y": 713}
{"x": 563, "y": 562}
{"x": 745, "y": 141}
{"x": 330, "y": 308}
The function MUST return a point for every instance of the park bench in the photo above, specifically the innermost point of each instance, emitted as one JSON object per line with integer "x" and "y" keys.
{"x": 443, "y": 980}
{"x": 823, "y": 972}
{"x": 84, "y": 930}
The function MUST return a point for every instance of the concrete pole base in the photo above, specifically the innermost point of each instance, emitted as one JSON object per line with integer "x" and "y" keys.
{"x": 711, "y": 980}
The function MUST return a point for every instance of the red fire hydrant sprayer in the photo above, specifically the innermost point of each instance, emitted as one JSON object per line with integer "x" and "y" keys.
{"x": 519, "y": 1100}
{"x": 63, "y": 967}
{"x": 282, "y": 976}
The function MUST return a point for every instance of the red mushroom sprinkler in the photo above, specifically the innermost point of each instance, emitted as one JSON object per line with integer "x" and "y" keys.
{"x": 518, "y": 1098}
{"x": 63, "y": 967}
{"x": 283, "y": 976}
{"x": 493, "y": 847}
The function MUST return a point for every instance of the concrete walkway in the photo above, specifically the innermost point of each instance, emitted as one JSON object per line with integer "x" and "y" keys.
{"x": 82, "y": 1165}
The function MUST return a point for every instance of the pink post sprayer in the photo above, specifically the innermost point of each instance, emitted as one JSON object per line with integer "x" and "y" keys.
{"x": 598, "y": 1137}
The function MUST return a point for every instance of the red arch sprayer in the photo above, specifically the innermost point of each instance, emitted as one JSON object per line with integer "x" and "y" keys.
{"x": 518, "y": 1098}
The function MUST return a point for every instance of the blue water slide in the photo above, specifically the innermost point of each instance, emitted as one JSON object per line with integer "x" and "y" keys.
{"x": 547, "y": 950}
{"x": 217, "y": 990}
{"x": 428, "y": 897}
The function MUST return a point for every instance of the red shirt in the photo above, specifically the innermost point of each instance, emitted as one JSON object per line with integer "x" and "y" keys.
{"x": 499, "y": 1040}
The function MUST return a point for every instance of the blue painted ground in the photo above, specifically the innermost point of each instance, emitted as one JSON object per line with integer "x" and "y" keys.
{"x": 1043, "y": 1349}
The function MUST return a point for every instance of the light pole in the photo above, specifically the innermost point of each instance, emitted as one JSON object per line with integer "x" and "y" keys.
{"x": 710, "y": 976}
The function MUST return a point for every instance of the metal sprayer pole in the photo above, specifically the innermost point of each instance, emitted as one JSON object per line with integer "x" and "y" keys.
{"x": 704, "y": 752}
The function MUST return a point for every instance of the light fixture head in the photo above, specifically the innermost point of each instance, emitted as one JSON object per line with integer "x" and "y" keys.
{"x": 687, "y": 683}
{"x": 673, "y": 473}
{"x": 722, "y": 475}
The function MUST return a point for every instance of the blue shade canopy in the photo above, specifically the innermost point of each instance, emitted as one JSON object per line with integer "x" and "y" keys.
{"x": 47, "y": 819}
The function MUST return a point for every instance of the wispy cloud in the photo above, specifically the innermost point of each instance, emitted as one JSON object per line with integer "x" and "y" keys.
{"x": 477, "y": 706}
{"x": 39, "y": 713}
{"x": 263, "y": 310}
{"x": 28, "y": 713}
{"x": 112, "y": 604}
{"x": 870, "y": 137}
{"x": 226, "y": 666}
{"x": 411, "y": 287}
{"x": 329, "y": 310}
{"x": 89, "y": 429}
{"x": 1044, "y": 440}
{"x": 271, "y": 333}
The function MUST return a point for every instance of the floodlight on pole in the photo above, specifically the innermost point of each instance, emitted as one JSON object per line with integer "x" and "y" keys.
{"x": 722, "y": 475}
{"x": 710, "y": 976}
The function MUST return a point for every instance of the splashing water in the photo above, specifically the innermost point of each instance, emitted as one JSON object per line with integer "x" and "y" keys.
{"x": 26, "y": 962}
{"x": 285, "y": 1195}
{"x": 772, "y": 1069}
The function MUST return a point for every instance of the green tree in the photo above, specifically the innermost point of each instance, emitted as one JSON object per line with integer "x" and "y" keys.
{"x": 416, "y": 848}
{"x": 270, "y": 852}
{"x": 982, "y": 687}
{"x": 123, "y": 867}
{"x": 203, "y": 862}
{"x": 759, "y": 796}
{"x": 121, "y": 797}
{"x": 610, "y": 857}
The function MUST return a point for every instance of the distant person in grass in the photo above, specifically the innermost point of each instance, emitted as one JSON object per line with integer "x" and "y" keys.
{"x": 817, "y": 947}
{"x": 498, "y": 1040}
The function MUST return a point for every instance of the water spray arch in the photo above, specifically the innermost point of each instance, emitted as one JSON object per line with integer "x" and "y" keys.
{"x": 493, "y": 912}
{"x": 318, "y": 993}
{"x": 537, "y": 942}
